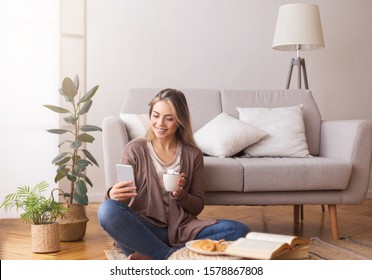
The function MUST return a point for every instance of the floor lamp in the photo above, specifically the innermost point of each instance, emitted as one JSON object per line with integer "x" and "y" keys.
{"x": 298, "y": 27}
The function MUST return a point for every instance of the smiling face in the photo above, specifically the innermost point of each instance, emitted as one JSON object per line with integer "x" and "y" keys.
{"x": 163, "y": 121}
{"x": 170, "y": 117}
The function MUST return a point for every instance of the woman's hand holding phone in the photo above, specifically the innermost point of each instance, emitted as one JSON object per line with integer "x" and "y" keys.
{"x": 123, "y": 191}
{"x": 125, "y": 188}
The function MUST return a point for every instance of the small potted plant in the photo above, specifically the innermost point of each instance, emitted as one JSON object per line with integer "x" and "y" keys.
{"x": 41, "y": 212}
{"x": 72, "y": 162}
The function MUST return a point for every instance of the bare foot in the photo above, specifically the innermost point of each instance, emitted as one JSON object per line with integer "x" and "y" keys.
{"x": 138, "y": 256}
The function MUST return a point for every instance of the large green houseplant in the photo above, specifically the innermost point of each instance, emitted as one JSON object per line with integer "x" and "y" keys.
{"x": 39, "y": 210}
{"x": 73, "y": 161}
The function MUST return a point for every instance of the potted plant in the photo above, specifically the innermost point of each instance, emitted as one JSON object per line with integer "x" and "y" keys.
{"x": 73, "y": 161}
{"x": 41, "y": 212}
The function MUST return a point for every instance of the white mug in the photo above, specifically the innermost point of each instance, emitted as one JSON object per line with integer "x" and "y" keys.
{"x": 171, "y": 182}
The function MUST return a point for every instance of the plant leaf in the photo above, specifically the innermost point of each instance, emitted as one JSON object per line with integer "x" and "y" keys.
{"x": 83, "y": 162}
{"x": 89, "y": 127}
{"x": 85, "y": 108}
{"x": 69, "y": 89}
{"x": 80, "y": 194}
{"x": 76, "y": 81}
{"x": 81, "y": 166}
{"x": 71, "y": 178}
{"x": 76, "y": 144}
{"x": 87, "y": 180}
{"x": 62, "y": 161}
{"x": 89, "y": 94}
{"x": 63, "y": 142}
{"x": 37, "y": 208}
{"x": 60, "y": 175}
{"x": 86, "y": 138}
{"x": 79, "y": 169}
{"x": 57, "y": 109}
{"x": 61, "y": 167}
{"x": 81, "y": 188}
{"x": 59, "y": 157}
{"x": 61, "y": 93}
{"x": 57, "y": 131}
{"x": 81, "y": 199}
{"x": 90, "y": 157}
{"x": 70, "y": 120}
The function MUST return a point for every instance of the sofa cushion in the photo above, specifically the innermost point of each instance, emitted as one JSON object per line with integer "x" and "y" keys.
{"x": 231, "y": 99}
{"x": 294, "y": 174}
{"x": 225, "y": 136}
{"x": 285, "y": 131}
{"x": 223, "y": 174}
{"x": 136, "y": 124}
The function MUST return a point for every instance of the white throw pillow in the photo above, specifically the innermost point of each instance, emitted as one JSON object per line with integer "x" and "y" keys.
{"x": 285, "y": 131}
{"x": 225, "y": 136}
{"x": 136, "y": 124}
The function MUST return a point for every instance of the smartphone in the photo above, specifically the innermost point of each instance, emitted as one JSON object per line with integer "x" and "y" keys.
{"x": 125, "y": 173}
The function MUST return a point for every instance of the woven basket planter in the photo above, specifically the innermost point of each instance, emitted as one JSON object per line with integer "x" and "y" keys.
{"x": 72, "y": 227}
{"x": 45, "y": 238}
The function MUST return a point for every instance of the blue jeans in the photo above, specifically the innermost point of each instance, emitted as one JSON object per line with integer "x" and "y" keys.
{"x": 132, "y": 233}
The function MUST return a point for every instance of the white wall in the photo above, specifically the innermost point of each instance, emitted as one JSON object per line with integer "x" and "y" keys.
{"x": 29, "y": 72}
{"x": 121, "y": 44}
{"x": 222, "y": 44}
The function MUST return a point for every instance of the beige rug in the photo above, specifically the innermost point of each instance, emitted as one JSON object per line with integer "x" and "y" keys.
{"x": 345, "y": 249}
{"x": 115, "y": 254}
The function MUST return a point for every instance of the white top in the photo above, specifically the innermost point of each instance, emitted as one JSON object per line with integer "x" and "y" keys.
{"x": 162, "y": 167}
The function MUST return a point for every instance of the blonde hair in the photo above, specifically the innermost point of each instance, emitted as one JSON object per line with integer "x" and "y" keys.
{"x": 177, "y": 100}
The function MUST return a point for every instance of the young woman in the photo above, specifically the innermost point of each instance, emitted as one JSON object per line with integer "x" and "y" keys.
{"x": 146, "y": 221}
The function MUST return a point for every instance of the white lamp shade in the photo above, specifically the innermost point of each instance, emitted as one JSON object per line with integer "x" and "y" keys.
{"x": 298, "y": 24}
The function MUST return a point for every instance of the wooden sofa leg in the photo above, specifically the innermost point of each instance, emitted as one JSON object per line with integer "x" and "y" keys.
{"x": 333, "y": 220}
{"x": 296, "y": 214}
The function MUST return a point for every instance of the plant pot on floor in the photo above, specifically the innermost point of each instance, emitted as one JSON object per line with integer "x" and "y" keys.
{"x": 72, "y": 227}
{"x": 45, "y": 238}
{"x": 42, "y": 212}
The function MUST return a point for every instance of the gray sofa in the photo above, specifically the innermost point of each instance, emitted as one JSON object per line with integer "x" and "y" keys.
{"x": 338, "y": 173}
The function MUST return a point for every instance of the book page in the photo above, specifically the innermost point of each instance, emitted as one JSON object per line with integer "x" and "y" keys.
{"x": 291, "y": 240}
{"x": 295, "y": 254}
{"x": 256, "y": 249}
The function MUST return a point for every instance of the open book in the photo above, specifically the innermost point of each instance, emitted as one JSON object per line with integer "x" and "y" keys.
{"x": 266, "y": 246}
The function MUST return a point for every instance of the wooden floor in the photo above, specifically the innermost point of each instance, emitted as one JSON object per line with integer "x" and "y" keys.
{"x": 354, "y": 221}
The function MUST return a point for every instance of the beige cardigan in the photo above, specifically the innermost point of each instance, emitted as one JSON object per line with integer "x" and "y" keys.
{"x": 181, "y": 220}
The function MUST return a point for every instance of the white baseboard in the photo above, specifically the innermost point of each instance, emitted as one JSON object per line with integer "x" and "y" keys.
{"x": 369, "y": 194}
{"x": 96, "y": 197}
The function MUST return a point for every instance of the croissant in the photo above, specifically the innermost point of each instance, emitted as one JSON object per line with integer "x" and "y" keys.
{"x": 210, "y": 245}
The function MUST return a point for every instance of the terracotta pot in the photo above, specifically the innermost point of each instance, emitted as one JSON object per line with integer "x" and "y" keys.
{"x": 72, "y": 227}
{"x": 45, "y": 238}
